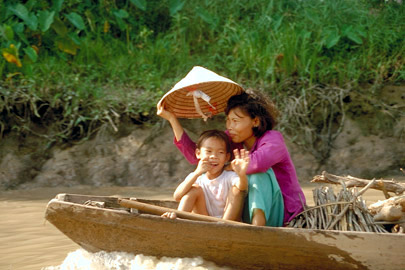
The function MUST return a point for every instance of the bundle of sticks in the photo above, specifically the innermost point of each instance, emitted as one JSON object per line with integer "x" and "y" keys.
{"x": 347, "y": 211}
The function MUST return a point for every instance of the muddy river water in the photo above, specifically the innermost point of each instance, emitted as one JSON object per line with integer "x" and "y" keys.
{"x": 27, "y": 241}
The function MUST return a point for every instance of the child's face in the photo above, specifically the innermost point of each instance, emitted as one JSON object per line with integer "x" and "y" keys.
{"x": 213, "y": 150}
{"x": 240, "y": 126}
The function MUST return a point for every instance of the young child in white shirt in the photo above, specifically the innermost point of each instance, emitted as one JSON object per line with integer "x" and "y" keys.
{"x": 205, "y": 191}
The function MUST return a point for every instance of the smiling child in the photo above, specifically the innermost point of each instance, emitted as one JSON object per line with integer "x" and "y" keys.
{"x": 205, "y": 191}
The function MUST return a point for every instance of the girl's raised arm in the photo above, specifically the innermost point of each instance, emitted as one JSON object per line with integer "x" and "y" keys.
{"x": 183, "y": 143}
{"x": 174, "y": 122}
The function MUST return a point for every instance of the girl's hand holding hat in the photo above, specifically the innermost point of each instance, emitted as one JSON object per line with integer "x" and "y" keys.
{"x": 162, "y": 112}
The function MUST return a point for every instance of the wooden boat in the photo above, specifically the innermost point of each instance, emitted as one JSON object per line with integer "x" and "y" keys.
{"x": 102, "y": 223}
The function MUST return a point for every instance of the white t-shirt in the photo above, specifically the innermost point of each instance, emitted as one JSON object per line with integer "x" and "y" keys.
{"x": 216, "y": 191}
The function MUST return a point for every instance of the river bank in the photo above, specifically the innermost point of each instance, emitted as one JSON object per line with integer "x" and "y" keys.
{"x": 146, "y": 157}
{"x": 367, "y": 143}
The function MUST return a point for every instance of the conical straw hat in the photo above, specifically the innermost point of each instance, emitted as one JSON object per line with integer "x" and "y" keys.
{"x": 202, "y": 93}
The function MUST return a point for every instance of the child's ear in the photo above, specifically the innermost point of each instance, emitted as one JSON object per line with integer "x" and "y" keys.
{"x": 228, "y": 157}
{"x": 197, "y": 153}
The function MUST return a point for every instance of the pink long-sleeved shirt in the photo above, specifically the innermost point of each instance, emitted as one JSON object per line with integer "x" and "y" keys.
{"x": 269, "y": 151}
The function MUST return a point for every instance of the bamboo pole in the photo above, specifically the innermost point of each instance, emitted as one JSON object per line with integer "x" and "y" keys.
{"x": 159, "y": 210}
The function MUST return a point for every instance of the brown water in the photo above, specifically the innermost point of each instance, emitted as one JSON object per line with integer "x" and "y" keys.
{"x": 28, "y": 242}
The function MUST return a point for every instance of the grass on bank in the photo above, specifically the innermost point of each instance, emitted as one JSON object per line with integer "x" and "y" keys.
{"x": 296, "y": 51}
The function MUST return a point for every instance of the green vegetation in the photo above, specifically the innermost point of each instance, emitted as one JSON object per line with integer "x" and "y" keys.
{"x": 75, "y": 65}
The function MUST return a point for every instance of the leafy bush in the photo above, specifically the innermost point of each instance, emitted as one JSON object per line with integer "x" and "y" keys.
{"x": 85, "y": 62}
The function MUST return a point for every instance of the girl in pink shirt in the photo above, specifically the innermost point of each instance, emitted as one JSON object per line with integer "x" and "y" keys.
{"x": 274, "y": 194}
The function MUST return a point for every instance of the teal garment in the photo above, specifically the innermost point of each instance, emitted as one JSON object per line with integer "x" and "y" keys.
{"x": 264, "y": 193}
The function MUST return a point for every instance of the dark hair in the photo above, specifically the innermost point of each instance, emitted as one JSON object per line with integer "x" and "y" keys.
{"x": 255, "y": 104}
{"x": 213, "y": 133}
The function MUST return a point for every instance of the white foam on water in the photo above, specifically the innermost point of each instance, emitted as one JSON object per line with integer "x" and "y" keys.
{"x": 83, "y": 260}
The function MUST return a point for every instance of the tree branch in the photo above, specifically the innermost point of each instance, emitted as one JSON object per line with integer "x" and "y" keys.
{"x": 350, "y": 181}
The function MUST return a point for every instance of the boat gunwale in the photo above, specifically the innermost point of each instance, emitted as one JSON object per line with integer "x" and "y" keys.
{"x": 124, "y": 210}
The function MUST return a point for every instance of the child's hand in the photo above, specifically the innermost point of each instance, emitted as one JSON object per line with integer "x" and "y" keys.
{"x": 203, "y": 166}
{"x": 241, "y": 161}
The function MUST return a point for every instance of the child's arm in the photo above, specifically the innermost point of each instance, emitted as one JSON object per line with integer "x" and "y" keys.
{"x": 185, "y": 186}
{"x": 240, "y": 165}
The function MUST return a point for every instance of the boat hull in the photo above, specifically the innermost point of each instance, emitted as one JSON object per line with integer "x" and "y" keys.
{"x": 237, "y": 246}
